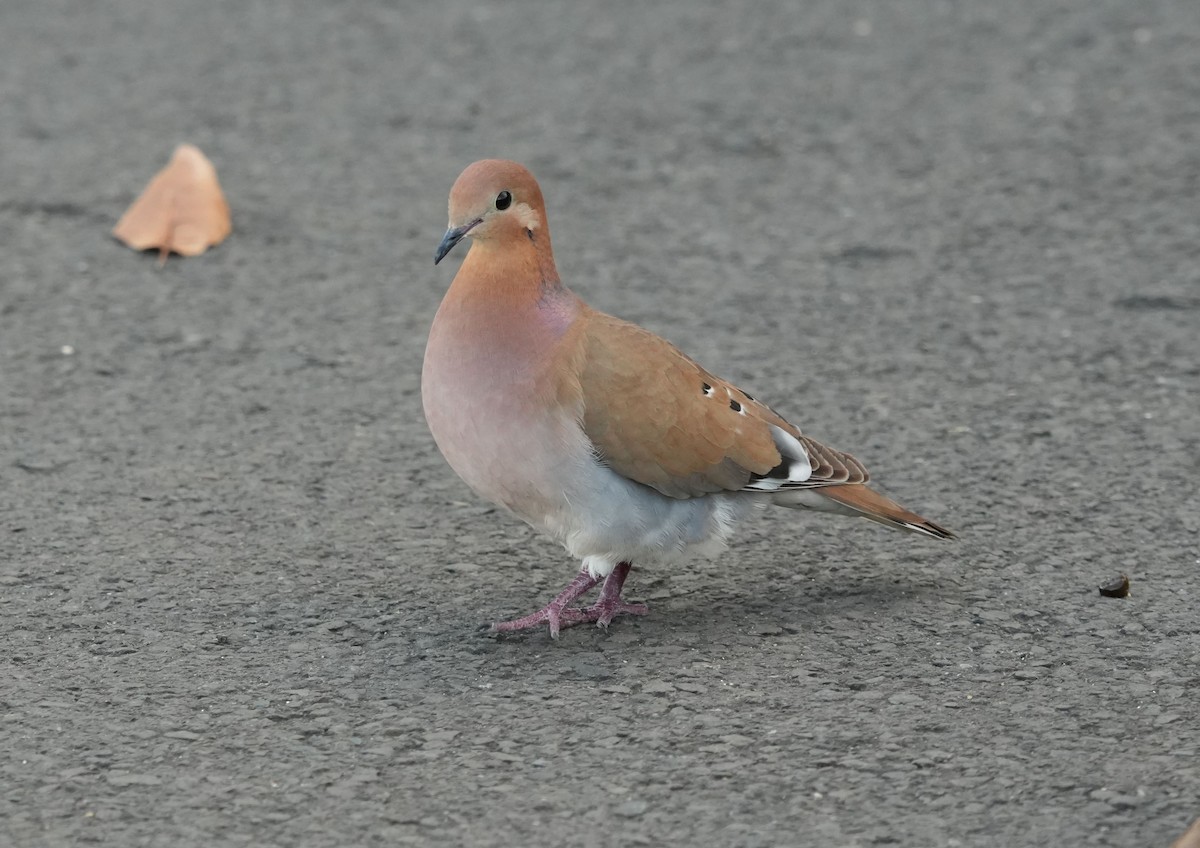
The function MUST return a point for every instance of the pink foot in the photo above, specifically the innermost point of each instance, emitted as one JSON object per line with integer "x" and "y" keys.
{"x": 558, "y": 615}
{"x": 552, "y": 612}
{"x": 609, "y": 604}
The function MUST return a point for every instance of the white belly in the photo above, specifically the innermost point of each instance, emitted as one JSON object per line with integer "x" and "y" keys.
{"x": 612, "y": 519}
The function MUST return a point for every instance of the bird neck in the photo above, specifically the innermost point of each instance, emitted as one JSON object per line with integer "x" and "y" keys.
{"x": 510, "y": 269}
{"x": 508, "y": 310}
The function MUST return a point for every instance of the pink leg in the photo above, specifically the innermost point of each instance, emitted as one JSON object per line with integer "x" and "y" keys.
{"x": 609, "y": 605}
{"x": 552, "y": 612}
{"x": 558, "y": 615}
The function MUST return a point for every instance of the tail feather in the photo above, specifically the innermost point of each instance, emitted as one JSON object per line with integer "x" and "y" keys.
{"x": 870, "y": 504}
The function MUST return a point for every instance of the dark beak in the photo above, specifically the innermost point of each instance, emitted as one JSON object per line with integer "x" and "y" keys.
{"x": 452, "y": 237}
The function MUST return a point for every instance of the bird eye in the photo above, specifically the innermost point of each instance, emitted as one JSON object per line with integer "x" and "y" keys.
{"x": 503, "y": 200}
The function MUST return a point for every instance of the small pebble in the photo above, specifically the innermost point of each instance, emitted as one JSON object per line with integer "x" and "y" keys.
{"x": 1116, "y": 588}
{"x": 632, "y": 809}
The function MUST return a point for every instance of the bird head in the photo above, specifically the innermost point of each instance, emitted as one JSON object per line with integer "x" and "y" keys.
{"x": 493, "y": 200}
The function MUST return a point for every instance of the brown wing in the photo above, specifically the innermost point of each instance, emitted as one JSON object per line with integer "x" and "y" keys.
{"x": 831, "y": 466}
{"x": 685, "y": 432}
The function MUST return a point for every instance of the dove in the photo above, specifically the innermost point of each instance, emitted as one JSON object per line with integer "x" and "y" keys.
{"x": 600, "y": 434}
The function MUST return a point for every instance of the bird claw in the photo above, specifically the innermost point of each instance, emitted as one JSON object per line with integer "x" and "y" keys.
{"x": 601, "y": 612}
{"x": 558, "y": 615}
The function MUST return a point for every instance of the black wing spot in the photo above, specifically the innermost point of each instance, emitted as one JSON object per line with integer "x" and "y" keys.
{"x": 529, "y": 233}
{"x": 747, "y": 395}
{"x": 707, "y": 389}
{"x": 734, "y": 405}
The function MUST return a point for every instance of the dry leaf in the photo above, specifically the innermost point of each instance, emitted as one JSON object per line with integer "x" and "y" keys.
{"x": 1190, "y": 839}
{"x": 181, "y": 210}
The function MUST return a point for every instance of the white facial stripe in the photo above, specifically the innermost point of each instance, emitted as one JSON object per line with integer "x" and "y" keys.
{"x": 528, "y": 218}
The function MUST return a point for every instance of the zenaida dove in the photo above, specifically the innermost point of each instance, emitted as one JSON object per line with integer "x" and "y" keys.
{"x": 599, "y": 433}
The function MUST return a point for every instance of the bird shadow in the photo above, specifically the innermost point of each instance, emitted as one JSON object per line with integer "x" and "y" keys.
{"x": 786, "y": 606}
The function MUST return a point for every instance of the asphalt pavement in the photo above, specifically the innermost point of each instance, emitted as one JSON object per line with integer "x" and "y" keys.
{"x": 240, "y": 591}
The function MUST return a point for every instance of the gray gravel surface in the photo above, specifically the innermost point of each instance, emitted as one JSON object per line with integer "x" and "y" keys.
{"x": 239, "y": 589}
